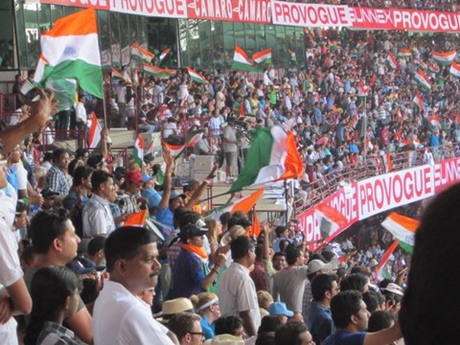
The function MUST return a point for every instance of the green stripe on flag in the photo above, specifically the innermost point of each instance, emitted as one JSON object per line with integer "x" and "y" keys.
{"x": 406, "y": 247}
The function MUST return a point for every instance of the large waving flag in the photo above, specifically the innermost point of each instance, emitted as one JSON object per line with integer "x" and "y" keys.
{"x": 241, "y": 61}
{"x": 116, "y": 74}
{"x": 403, "y": 229}
{"x": 244, "y": 204}
{"x": 264, "y": 56}
{"x": 164, "y": 54}
{"x": 94, "y": 136}
{"x": 136, "y": 219}
{"x": 422, "y": 79}
{"x": 380, "y": 273}
{"x": 272, "y": 156}
{"x": 417, "y": 100}
{"x": 196, "y": 77}
{"x": 177, "y": 150}
{"x": 158, "y": 71}
{"x": 405, "y": 53}
{"x": 444, "y": 59}
{"x": 141, "y": 54}
{"x": 70, "y": 50}
{"x": 455, "y": 69}
{"x": 138, "y": 151}
{"x": 420, "y": 64}
{"x": 392, "y": 62}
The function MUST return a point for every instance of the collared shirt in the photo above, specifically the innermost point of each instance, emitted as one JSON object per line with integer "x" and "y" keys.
{"x": 345, "y": 338}
{"x": 57, "y": 181}
{"x": 319, "y": 322}
{"x": 55, "y": 334}
{"x": 97, "y": 217}
{"x": 121, "y": 318}
{"x": 237, "y": 293}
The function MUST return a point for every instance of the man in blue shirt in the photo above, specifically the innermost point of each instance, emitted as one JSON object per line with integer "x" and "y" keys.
{"x": 319, "y": 317}
{"x": 351, "y": 317}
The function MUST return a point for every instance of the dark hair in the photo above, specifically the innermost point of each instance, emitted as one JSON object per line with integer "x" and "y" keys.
{"x": 235, "y": 220}
{"x": 224, "y": 218}
{"x": 290, "y": 333}
{"x": 291, "y": 256}
{"x": 96, "y": 244}
{"x": 124, "y": 243}
{"x": 89, "y": 292}
{"x": 240, "y": 247}
{"x": 279, "y": 230}
{"x": 355, "y": 281}
{"x": 321, "y": 284}
{"x": 283, "y": 254}
{"x": 344, "y": 305}
{"x": 372, "y": 300}
{"x": 228, "y": 324}
{"x": 58, "y": 153}
{"x": 270, "y": 323}
{"x": 80, "y": 173}
{"x": 99, "y": 177}
{"x": 50, "y": 288}
{"x": 267, "y": 338}
{"x": 182, "y": 323}
{"x": 46, "y": 226}
{"x": 379, "y": 320}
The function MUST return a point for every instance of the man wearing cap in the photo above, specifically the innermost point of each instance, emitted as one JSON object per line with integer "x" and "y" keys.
{"x": 319, "y": 318}
{"x": 48, "y": 199}
{"x": 237, "y": 292}
{"x": 97, "y": 217}
{"x": 56, "y": 179}
{"x": 130, "y": 192}
{"x": 290, "y": 281}
{"x": 280, "y": 309}
{"x": 120, "y": 317}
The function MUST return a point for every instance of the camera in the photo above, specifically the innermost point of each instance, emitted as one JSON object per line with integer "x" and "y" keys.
{"x": 29, "y": 91}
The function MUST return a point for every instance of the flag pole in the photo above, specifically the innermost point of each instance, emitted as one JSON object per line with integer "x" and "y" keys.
{"x": 104, "y": 107}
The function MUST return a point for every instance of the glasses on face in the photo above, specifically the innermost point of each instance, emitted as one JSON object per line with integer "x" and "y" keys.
{"x": 201, "y": 334}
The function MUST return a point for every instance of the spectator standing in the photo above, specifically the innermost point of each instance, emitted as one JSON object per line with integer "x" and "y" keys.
{"x": 56, "y": 179}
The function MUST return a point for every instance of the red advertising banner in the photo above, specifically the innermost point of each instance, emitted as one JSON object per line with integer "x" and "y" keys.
{"x": 242, "y": 11}
{"x": 402, "y": 19}
{"x": 97, "y": 4}
{"x": 151, "y": 8}
{"x": 310, "y": 15}
{"x": 364, "y": 199}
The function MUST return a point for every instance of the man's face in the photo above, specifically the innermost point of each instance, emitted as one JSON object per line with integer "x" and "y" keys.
{"x": 143, "y": 269}
{"x": 335, "y": 289}
{"x": 362, "y": 318}
{"x": 107, "y": 188}
{"x": 69, "y": 242}
{"x": 63, "y": 161}
{"x": 306, "y": 338}
{"x": 196, "y": 339}
{"x": 279, "y": 262}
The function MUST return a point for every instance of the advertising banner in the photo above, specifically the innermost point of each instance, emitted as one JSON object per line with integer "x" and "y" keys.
{"x": 310, "y": 15}
{"x": 151, "y": 8}
{"x": 242, "y": 11}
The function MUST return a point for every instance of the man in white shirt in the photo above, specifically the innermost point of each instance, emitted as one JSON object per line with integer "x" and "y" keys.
{"x": 97, "y": 217}
{"x": 120, "y": 316}
{"x": 237, "y": 292}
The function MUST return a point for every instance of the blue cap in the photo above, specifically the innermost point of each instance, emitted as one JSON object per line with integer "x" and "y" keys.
{"x": 279, "y": 308}
{"x": 83, "y": 265}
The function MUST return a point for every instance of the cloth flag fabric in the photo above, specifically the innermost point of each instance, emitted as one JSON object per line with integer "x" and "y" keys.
{"x": 405, "y": 53}
{"x": 136, "y": 219}
{"x": 176, "y": 150}
{"x": 433, "y": 67}
{"x": 330, "y": 221}
{"x": 94, "y": 136}
{"x": 138, "y": 151}
{"x": 444, "y": 59}
{"x": 422, "y": 79}
{"x": 194, "y": 138}
{"x": 360, "y": 45}
{"x": 141, "y": 54}
{"x": 272, "y": 156}
{"x": 379, "y": 272}
{"x": 244, "y": 204}
{"x": 392, "y": 62}
{"x": 164, "y": 53}
{"x": 158, "y": 71}
{"x": 264, "y": 56}
{"x": 403, "y": 229}
{"x": 117, "y": 74}
{"x": 292, "y": 55}
{"x": 435, "y": 120}
{"x": 333, "y": 45}
{"x": 418, "y": 101}
{"x": 455, "y": 69}
{"x": 70, "y": 50}
{"x": 241, "y": 61}
{"x": 363, "y": 90}
{"x": 196, "y": 77}
{"x": 420, "y": 64}
{"x": 65, "y": 91}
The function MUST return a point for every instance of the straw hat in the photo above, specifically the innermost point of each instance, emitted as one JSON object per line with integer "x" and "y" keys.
{"x": 224, "y": 339}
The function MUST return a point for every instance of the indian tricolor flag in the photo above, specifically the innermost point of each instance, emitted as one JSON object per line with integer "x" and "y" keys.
{"x": 444, "y": 59}
{"x": 273, "y": 156}
{"x": 117, "y": 74}
{"x": 70, "y": 50}
{"x": 158, "y": 71}
{"x": 420, "y": 64}
{"x": 405, "y": 53}
{"x": 195, "y": 137}
{"x": 392, "y": 62}
{"x": 164, "y": 53}
{"x": 136, "y": 219}
{"x": 435, "y": 120}
{"x": 175, "y": 150}
{"x": 455, "y": 69}
{"x": 403, "y": 229}
{"x": 417, "y": 101}
{"x": 94, "y": 135}
{"x": 196, "y": 77}
{"x": 330, "y": 221}
{"x": 264, "y": 56}
{"x": 422, "y": 79}
{"x": 433, "y": 67}
{"x": 380, "y": 272}
{"x": 241, "y": 61}
{"x": 360, "y": 45}
{"x": 244, "y": 204}
{"x": 141, "y": 54}
{"x": 138, "y": 151}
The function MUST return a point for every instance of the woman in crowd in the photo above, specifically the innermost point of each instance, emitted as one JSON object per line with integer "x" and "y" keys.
{"x": 206, "y": 304}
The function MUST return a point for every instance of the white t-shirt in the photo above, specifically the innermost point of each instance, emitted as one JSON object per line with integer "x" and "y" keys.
{"x": 121, "y": 318}
{"x": 10, "y": 272}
